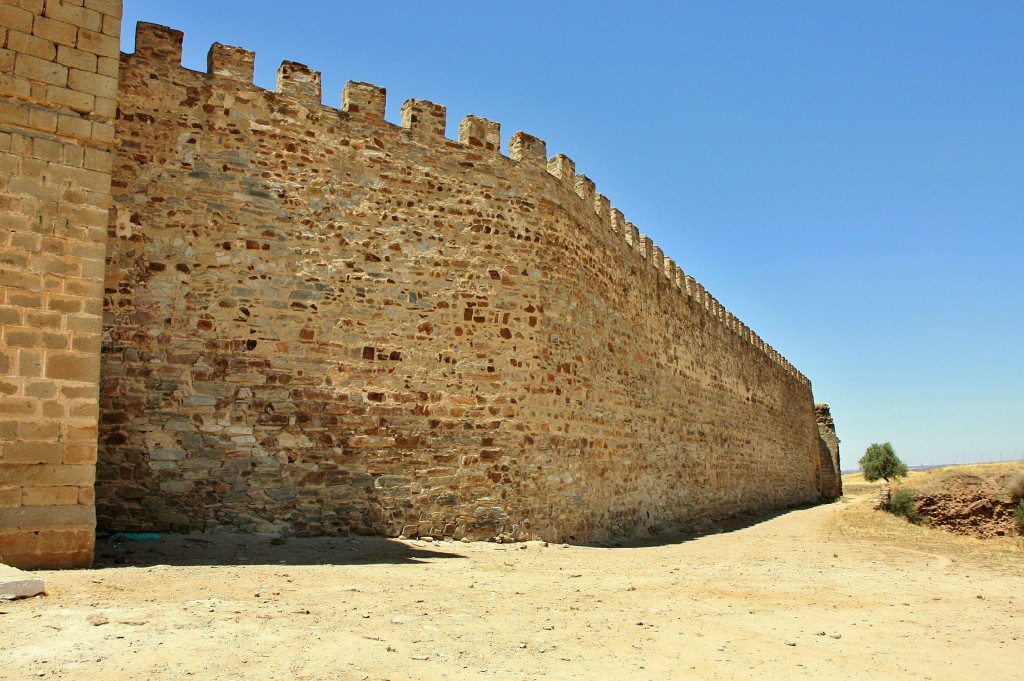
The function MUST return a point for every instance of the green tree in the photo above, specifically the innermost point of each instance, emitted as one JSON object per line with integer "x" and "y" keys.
{"x": 881, "y": 463}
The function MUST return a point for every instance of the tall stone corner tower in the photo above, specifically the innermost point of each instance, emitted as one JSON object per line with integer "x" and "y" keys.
{"x": 831, "y": 478}
{"x": 58, "y": 84}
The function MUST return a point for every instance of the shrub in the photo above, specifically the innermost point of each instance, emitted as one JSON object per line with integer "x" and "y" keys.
{"x": 1018, "y": 516}
{"x": 1016, "y": 487}
{"x": 902, "y": 503}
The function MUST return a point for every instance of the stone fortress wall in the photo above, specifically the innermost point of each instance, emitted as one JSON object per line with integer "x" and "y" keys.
{"x": 319, "y": 322}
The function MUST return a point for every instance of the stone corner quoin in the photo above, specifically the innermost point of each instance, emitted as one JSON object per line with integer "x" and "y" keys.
{"x": 315, "y": 321}
{"x": 58, "y": 88}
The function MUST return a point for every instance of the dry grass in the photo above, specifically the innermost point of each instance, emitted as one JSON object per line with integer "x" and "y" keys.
{"x": 999, "y": 476}
{"x": 1016, "y": 486}
{"x": 862, "y": 521}
{"x": 854, "y": 485}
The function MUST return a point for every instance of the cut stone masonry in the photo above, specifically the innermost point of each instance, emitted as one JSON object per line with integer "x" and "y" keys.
{"x": 319, "y": 322}
{"x": 58, "y": 84}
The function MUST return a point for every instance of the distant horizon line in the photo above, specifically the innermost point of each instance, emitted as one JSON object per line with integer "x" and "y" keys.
{"x": 932, "y": 466}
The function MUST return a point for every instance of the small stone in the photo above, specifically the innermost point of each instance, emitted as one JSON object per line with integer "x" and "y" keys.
{"x": 427, "y": 539}
{"x": 97, "y": 620}
{"x": 17, "y": 584}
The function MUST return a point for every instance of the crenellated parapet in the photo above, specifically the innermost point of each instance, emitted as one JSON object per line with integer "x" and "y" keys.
{"x": 320, "y": 320}
{"x": 426, "y": 123}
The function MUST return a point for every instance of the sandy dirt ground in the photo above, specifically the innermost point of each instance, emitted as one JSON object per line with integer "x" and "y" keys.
{"x": 783, "y": 597}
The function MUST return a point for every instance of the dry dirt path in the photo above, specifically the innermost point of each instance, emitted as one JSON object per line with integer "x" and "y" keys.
{"x": 777, "y": 599}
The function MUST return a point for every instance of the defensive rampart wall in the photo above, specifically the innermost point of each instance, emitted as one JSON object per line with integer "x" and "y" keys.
{"x": 317, "y": 321}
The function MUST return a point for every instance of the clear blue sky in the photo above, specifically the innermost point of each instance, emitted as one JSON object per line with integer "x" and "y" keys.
{"x": 846, "y": 177}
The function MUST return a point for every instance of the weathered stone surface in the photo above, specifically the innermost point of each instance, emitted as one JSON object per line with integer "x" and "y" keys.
{"x": 58, "y": 80}
{"x": 321, "y": 322}
{"x": 830, "y": 480}
{"x": 315, "y": 321}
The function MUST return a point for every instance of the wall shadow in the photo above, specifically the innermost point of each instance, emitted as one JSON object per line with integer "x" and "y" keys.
{"x": 236, "y": 549}
{"x": 254, "y": 549}
{"x": 680, "y": 535}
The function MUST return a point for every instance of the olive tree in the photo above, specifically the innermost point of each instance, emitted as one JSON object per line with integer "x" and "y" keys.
{"x": 881, "y": 463}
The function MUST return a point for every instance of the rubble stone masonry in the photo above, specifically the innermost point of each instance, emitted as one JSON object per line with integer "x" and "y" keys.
{"x": 58, "y": 84}
{"x": 319, "y": 322}
{"x": 831, "y": 479}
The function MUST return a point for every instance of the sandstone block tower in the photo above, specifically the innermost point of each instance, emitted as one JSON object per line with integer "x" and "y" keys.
{"x": 58, "y": 84}
{"x": 319, "y": 322}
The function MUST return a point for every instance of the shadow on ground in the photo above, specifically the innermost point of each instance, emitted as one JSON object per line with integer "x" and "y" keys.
{"x": 666, "y": 536}
{"x": 251, "y": 549}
